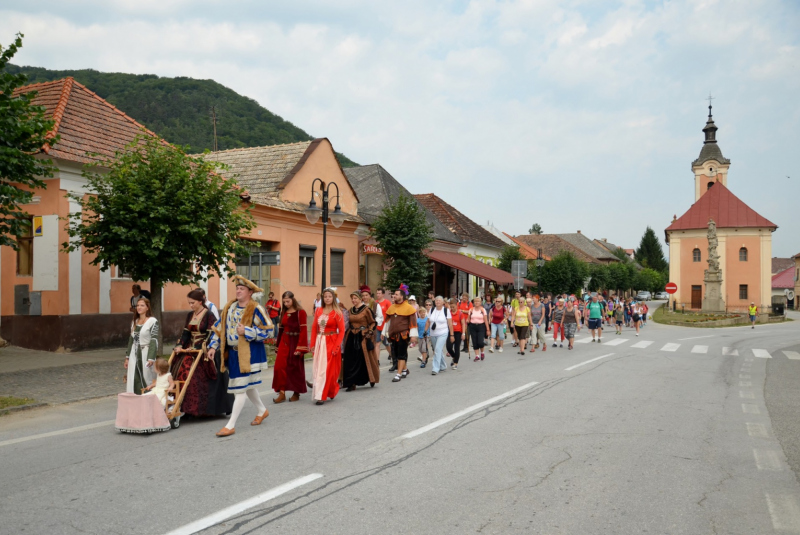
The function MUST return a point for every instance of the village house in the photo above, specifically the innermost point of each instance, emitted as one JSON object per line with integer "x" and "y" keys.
{"x": 43, "y": 289}
{"x": 744, "y": 236}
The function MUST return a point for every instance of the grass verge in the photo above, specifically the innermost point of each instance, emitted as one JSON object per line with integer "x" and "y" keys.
{"x": 11, "y": 401}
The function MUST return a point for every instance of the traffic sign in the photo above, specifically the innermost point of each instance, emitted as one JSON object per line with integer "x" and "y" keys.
{"x": 671, "y": 288}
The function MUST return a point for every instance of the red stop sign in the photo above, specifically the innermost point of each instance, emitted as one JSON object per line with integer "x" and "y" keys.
{"x": 671, "y": 288}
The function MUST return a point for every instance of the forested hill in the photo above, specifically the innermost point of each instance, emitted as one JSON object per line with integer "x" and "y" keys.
{"x": 179, "y": 109}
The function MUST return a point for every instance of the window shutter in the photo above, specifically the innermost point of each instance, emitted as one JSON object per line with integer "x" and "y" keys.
{"x": 337, "y": 267}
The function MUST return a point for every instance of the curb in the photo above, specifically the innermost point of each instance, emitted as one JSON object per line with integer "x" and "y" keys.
{"x": 8, "y": 410}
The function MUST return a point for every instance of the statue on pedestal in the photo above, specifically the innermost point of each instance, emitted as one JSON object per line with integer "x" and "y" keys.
{"x": 713, "y": 301}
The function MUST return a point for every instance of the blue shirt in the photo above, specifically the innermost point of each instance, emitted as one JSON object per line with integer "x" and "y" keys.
{"x": 421, "y": 326}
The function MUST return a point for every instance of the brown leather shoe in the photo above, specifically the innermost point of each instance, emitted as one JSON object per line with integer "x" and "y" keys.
{"x": 260, "y": 419}
{"x": 280, "y": 399}
{"x": 225, "y": 432}
{"x": 295, "y": 397}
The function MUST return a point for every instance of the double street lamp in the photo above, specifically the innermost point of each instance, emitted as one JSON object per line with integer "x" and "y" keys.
{"x": 313, "y": 213}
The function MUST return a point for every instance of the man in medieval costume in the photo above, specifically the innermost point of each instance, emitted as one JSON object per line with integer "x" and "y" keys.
{"x": 239, "y": 336}
{"x": 402, "y": 318}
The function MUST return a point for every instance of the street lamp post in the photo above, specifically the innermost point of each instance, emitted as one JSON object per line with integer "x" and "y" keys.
{"x": 539, "y": 264}
{"x": 313, "y": 213}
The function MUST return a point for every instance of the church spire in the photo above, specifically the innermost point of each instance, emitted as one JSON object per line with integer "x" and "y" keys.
{"x": 710, "y": 129}
{"x": 710, "y": 150}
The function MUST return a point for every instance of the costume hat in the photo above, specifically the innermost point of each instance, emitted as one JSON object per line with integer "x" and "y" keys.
{"x": 238, "y": 280}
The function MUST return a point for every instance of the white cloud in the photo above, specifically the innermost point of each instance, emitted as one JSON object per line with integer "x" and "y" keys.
{"x": 549, "y": 106}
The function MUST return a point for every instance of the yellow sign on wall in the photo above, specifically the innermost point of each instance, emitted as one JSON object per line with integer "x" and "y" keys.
{"x": 37, "y": 227}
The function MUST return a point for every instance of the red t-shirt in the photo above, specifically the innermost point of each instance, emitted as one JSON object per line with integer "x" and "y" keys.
{"x": 464, "y": 307}
{"x": 385, "y": 304}
{"x": 273, "y": 313}
{"x": 457, "y": 317}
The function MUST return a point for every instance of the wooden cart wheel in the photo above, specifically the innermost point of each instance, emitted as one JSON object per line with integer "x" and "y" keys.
{"x": 175, "y": 422}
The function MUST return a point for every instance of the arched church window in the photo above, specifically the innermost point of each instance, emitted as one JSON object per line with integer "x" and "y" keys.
{"x": 743, "y": 254}
{"x": 708, "y": 187}
{"x": 696, "y": 255}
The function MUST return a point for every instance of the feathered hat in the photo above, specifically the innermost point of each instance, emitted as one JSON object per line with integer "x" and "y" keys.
{"x": 404, "y": 288}
{"x": 238, "y": 280}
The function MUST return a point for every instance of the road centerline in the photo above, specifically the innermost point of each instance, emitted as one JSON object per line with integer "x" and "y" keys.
{"x": 215, "y": 518}
{"x": 466, "y": 411}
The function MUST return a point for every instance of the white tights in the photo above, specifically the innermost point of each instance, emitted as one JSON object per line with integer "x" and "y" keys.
{"x": 238, "y": 405}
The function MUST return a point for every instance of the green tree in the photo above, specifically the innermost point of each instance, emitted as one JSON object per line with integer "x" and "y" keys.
{"x": 622, "y": 255}
{"x": 508, "y": 254}
{"x": 535, "y": 229}
{"x": 599, "y": 277}
{"x": 564, "y": 273}
{"x": 402, "y": 231}
{"x": 650, "y": 280}
{"x": 23, "y": 133}
{"x": 649, "y": 253}
{"x": 159, "y": 215}
{"x": 620, "y": 276}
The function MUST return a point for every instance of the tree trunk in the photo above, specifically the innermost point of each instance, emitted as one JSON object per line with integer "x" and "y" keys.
{"x": 155, "y": 305}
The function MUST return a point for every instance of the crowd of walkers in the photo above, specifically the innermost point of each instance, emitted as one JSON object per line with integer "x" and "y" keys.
{"x": 346, "y": 340}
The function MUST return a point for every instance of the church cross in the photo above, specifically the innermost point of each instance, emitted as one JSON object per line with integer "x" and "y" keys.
{"x": 710, "y": 98}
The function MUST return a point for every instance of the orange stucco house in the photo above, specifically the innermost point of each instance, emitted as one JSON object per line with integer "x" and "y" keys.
{"x": 744, "y": 236}
{"x": 54, "y": 300}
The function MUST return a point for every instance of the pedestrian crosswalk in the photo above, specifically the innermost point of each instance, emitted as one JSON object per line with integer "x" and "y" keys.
{"x": 673, "y": 347}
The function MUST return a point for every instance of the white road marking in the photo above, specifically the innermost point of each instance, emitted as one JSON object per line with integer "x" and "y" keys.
{"x": 615, "y": 341}
{"x": 697, "y": 337}
{"x": 785, "y": 512}
{"x": 233, "y": 510}
{"x": 642, "y": 344}
{"x": 729, "y": 351}
{"x": 57, "y": 433}
{"x": 745, "y": 383}
{"x": 749, "y": 408}
{"x": 762, "y": 354}
{"x": 466, "y": 411}
{"x": 670, "y": 347}
{"x": 767, "y": 460}
{"x": 700, "y": 349}
{"x": 793, "y": 355}
{"x": 586, "y": 362}
{"x": 584, "y": 340}
{"x": 746, "y": 394}
{"x": 757, "y": 430}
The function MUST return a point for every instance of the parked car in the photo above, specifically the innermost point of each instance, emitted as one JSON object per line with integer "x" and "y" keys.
{"x": 662, "y": 295}
{"x": 644, "y": 296}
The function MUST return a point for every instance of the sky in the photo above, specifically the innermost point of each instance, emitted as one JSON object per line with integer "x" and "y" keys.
{"x": 577, "y": 115}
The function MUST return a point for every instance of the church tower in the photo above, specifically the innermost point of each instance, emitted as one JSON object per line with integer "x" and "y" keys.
{"x": 711, "y": 166}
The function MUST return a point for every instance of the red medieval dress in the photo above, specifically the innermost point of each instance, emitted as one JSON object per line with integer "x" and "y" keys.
{"x": 327, "y": 354}
{"x": 206, "y": 394}
{"x": 289, "y": 373}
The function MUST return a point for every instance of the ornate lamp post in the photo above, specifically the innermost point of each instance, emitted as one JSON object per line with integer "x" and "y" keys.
{"x": 313, "y": 213}
{"x": 539, "y": 264}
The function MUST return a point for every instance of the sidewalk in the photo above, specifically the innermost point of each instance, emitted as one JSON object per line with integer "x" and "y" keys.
{"x": 61, "y": 377}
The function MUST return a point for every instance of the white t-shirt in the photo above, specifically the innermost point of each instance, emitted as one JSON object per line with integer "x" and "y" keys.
{"x": 440, "y": 318}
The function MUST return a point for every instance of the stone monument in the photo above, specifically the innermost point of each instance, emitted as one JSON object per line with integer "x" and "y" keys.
{"x": 712, "y": 298}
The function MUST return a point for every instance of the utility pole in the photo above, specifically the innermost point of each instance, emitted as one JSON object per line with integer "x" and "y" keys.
{"x": 214, "y": 120}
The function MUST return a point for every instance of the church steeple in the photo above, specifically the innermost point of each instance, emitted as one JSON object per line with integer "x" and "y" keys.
{"x": 711, "y": 166}
{"x": 711, "y": 129}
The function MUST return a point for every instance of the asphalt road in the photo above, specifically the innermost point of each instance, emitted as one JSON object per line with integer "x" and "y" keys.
{"x": 618, "y": 437}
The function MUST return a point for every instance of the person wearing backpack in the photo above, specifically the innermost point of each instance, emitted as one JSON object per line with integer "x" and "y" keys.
{"x": 499, "y": 316}
{"x": 478, "y": 327}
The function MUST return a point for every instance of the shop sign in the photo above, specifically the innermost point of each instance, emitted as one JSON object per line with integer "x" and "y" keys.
{"x": 372, "y": 249}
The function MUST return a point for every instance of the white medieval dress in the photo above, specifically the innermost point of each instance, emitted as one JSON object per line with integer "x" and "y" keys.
{"x": 142, "y": 348}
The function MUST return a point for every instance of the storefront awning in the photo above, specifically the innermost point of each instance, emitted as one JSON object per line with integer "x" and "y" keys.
{"x": 474, "y": 267}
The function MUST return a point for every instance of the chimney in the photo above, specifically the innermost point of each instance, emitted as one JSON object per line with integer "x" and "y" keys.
{"x": 579, "y": 232}
{"x": 605, "y": 240}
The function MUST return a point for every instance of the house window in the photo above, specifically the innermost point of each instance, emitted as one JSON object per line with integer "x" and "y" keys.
{"x": 119, "y": 274}
{"x": 25, "y": 249}
{"x": 743, "y": 254}
{"x": 696, "y": 255}
{"x": 337, "y": 267}
{"x": 743, "y": 291}
{"x": 307, "y": 264}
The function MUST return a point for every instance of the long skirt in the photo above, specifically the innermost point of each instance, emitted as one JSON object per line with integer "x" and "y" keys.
{"x": 289, "y": 373}
{"x": 325, "y": 371}
{"x": 357, "y": 365}
{"x": 139, "y": 375}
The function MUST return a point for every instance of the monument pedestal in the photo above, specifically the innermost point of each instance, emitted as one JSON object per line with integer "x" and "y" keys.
{"x": 712, "y": 298}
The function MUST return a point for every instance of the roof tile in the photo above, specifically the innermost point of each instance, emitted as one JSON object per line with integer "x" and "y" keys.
{"x": 784, "y": 279}
{"x": 725, "y": 208}
{"x": 458, "y": 223}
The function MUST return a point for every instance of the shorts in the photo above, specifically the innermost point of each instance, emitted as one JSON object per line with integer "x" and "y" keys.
{"x": 752, "y": 318}
{"x": 569, "y": 330}
{"x": 522, "y": 332}
{"x": 497, "y": 330}
{"x": 423, "y": 345}
{"x": 594, "y": 323}
{"x": 619, "y": 322}
{"x": 510, "y": 327}
{"x": 636, "y": 317}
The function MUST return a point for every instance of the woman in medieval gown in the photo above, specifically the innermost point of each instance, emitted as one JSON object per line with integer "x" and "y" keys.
{"x": 207, "y": 392}
{"x": 290, "y": 372}
{"x": 360, "y": 363}
{"x": 327, "y": 332}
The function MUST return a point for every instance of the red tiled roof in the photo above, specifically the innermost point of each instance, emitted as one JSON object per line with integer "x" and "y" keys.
{"x": 779, "y": 264}
{"x": 458, "y": 223}
{"x": 551, "y": 245}
{"x": 784, "y": 279}
{"x": 85, "y": 122}
{"x": 474, "y": 267}
{"x": 527, "y": 251}
{"x": 727, "y": 210}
